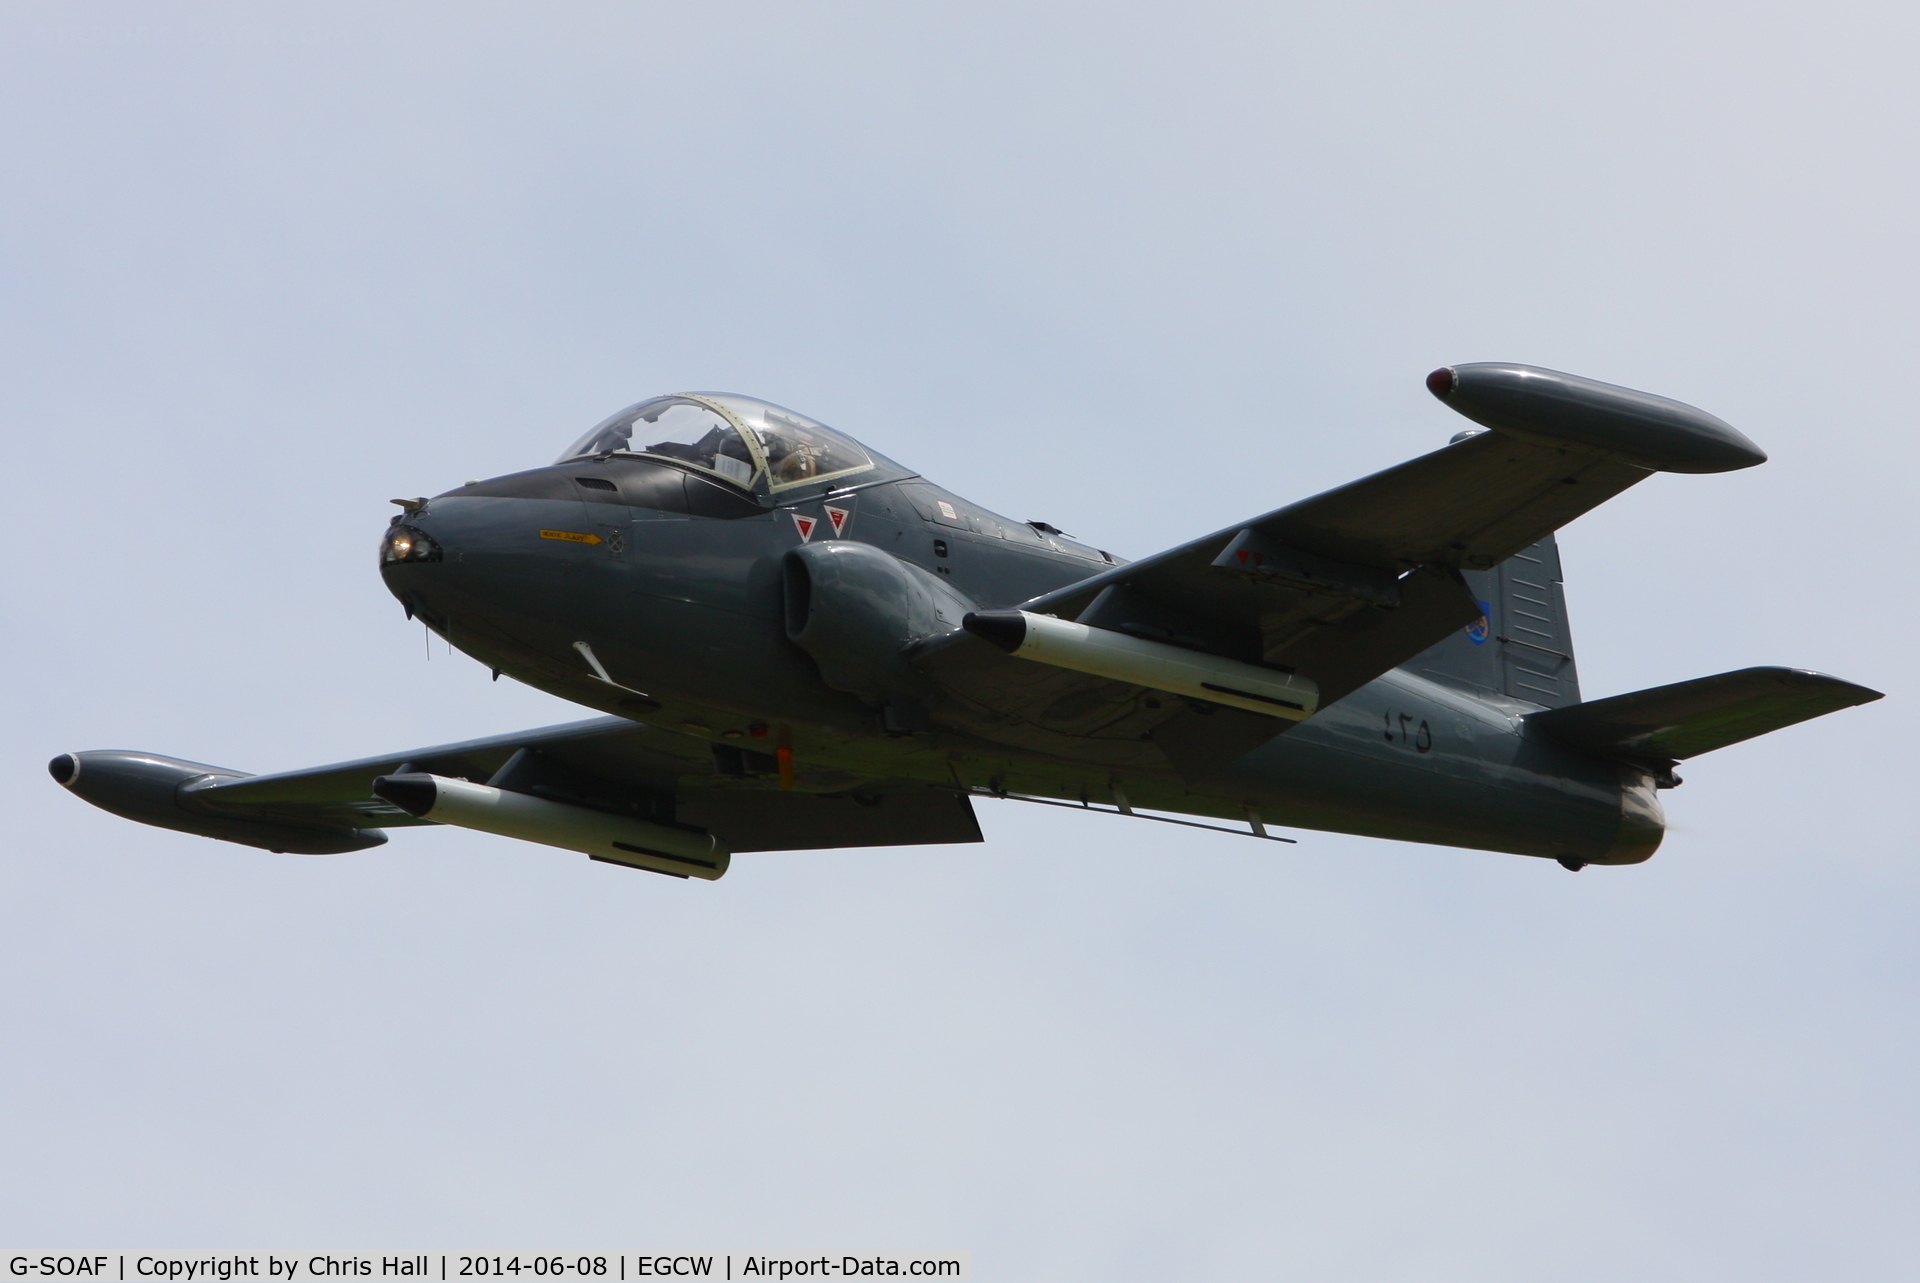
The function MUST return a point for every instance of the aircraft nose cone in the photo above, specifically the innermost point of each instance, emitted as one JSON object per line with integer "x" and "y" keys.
{"x": 412, "y": 560}
{"x": 467, "y": 564}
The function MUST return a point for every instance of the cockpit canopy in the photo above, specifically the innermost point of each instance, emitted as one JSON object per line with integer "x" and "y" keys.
{"x": 754, "y": 444}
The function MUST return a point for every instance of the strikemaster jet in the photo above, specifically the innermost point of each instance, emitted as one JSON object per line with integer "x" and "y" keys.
{"x": 797, "y": 643}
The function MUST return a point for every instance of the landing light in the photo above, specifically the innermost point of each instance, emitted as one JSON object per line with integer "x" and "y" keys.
{"x": 404, "y": 543}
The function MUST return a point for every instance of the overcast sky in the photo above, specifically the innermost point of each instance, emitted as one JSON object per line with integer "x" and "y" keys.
{"x": 1135, "y": 270}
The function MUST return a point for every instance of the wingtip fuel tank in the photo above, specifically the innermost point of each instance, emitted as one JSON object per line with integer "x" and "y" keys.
{"x": 1553, "y": 408}
{"x": 164, "y": 792}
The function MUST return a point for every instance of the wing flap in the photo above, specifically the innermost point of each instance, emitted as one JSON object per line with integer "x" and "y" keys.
{"x": 1669, "y": 724}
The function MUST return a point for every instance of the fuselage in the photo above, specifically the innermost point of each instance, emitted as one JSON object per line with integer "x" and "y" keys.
{"x": 652, "y": 589}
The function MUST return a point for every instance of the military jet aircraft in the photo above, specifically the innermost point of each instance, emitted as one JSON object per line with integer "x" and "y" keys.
{"x": 798, "y": 643}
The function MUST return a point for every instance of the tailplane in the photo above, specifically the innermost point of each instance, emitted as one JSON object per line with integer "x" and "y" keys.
{"x": 1668, "y": 724}
{"x": 1522, "y": 649}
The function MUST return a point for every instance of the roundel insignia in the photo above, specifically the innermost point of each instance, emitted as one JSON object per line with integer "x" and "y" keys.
{"x": 1477, "y": 630}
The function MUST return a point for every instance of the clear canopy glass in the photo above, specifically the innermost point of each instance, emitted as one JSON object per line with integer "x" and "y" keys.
{"x": 738, "y": 437}
{"x": 795, "y": 448}
{"x": 676, "y": 428}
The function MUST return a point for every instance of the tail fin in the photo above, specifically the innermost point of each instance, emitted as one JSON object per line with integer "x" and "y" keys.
{"x": 1522, "y": 647}
{"x": 1668, "y": 724}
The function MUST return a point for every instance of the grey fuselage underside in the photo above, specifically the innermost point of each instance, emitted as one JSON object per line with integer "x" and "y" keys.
{"x": 681, "y": 606}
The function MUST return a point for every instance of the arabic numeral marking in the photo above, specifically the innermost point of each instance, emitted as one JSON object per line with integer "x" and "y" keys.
{"x": 1418, "y": 736}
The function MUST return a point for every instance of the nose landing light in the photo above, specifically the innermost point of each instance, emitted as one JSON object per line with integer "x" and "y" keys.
{"x": 406, "y": 543}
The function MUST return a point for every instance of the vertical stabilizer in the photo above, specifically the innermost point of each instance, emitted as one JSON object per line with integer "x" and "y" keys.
{"x": 1523, "y": 648}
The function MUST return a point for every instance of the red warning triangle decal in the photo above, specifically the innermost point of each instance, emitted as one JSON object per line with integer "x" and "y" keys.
{"x": 806, "y": 525}
{"x": 837, "y": 518}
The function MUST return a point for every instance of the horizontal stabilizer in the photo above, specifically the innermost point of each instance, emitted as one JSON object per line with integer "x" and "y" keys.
{"x": 1672, "y": 723}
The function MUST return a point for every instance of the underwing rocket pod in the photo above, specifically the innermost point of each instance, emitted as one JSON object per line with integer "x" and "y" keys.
{"x": 617, "y": 839}
{"x": 1547, "y": 407}
{"x": 1174, "y": 669}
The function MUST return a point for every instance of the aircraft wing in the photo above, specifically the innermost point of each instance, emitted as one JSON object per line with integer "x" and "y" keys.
{"x": 1342, "y": 587}
{"x": 1334, "y": 590}
{"x": 1353, "y": 582}
{"x": 1338, "y": 588}
{"x": 605, "y": 764}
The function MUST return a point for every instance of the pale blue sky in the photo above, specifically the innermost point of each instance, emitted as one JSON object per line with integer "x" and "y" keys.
{"x": 1135, "y": 270}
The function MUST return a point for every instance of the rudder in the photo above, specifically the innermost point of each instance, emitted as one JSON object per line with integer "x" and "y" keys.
{"x": 1523, "y": 647}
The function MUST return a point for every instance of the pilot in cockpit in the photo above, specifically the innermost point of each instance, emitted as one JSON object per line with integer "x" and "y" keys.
{"x": 789, "y": 458}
